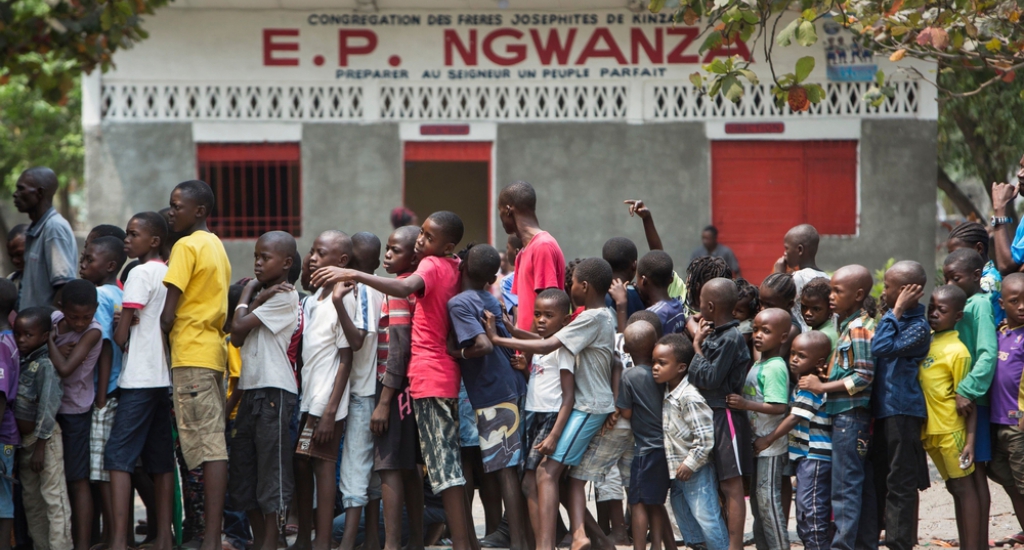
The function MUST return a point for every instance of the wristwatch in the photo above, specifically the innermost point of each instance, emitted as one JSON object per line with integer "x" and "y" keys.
{"x": 996, "y": 221}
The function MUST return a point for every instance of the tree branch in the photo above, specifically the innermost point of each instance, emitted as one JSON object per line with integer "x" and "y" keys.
{"x": 960, "y": 199}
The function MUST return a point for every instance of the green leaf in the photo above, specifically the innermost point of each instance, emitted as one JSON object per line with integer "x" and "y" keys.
{"x": 899, "y": 30}
{"x": 697, "y": 80}
{"x": 717, "y": 66}
{"x": 809, "y": 14}
{"x": 732, "y": 88}
{"x": 804, "y": 66}
{"x": 716, "y": 87}
{"x": 805, "y": 34}
{"x": 786, "y": 35}
{"x": 749, "y": 75}
{"x": 713, "y": 41}
{"x": 750, "y": 17}
{"x": 106, "y": 19}
{"x": 815, "y": 93}
{"x": 656, "y": 5}
{"x": 880, "y": 77}
{"x": 732, "y": 14}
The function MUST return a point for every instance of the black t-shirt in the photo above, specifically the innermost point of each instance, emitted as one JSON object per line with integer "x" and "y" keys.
{"x": 638, "y": 391}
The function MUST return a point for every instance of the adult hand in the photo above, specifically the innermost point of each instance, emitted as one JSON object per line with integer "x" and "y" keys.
{"x": 1003, "y": 194}
{"x": 637, "y": 208}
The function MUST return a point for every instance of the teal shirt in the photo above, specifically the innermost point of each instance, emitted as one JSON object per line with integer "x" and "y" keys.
{"x": 978, "y": 332}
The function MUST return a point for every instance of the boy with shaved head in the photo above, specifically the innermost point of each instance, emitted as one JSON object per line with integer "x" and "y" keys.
{"x": 800, "y": 246}
{"x": 901, "y": 341}
{"x": 261, "y": 454}
{"x": 717, "y": 370}
{"x": 850, "y": 374}
{"x": 51, "y": 251}
{"x": 765, "y": 395}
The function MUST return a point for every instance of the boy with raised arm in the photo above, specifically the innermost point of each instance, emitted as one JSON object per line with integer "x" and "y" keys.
{"x": 433, "y": 374}
{"x": 590, "y": 337}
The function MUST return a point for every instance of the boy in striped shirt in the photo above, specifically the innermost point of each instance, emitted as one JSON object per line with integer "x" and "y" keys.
{"x": 810, "y": 442}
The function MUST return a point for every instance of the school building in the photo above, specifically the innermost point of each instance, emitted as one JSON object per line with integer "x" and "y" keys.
{"x": 306, "y": 115}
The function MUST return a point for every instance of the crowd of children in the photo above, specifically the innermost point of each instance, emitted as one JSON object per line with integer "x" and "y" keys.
{"x": 698, "y": 390}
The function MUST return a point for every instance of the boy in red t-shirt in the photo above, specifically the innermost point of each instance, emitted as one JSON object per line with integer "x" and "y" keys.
{"x": 433, "y": 375}
{"x": 540, "y": 264}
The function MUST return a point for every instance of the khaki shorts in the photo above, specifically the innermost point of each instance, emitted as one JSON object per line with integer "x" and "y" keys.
{"x": 199, "y": 410}
{"x": 1007, "y": 466}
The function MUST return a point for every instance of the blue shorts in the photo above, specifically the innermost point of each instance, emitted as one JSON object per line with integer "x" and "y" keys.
{"x": 579, "y": 430}
{"x": 142, "y": 429}
{"x": 6, "y": 486}
{"x": 76, "y": 430}
{"x": 468, "y": 434}
{"x": 983, "y": 435}
{"x": 649, "y": 479}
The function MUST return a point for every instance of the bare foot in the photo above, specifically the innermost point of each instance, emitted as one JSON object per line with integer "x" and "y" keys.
{"x": 620, "y": 538}
{"x": 582, "y": 544}
{"x": 301, "y": 545}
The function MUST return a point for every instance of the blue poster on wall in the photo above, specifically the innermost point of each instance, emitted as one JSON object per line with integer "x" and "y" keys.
{"x": 846, "y": 60}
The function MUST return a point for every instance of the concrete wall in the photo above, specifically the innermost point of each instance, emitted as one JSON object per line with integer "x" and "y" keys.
{"x": 352, "y": 177}
{"x": 131, "y": 168}
{"x": 897, "y": 198}
{"x": 583, "y": 172}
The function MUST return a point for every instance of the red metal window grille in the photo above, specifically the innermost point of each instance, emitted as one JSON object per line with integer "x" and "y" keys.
{"x": 258, "y": 187}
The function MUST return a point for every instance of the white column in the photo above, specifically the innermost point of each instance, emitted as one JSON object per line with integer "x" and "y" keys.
{"x": 92, "y": 99}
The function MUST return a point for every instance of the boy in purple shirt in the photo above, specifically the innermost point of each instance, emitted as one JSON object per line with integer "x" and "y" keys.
{"x": 75, "y": 344}
{"x": 1007, "y": 466}
{"x": 9, "y": 436}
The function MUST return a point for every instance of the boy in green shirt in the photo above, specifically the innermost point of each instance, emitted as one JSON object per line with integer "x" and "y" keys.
{"x": 977, "y": 331}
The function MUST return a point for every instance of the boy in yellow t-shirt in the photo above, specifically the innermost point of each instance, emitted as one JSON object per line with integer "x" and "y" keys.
{"x": 948, "y": 438}
{"x": 197, "y": 281}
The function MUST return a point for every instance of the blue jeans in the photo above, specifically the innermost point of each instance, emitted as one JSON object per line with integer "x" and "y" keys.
{"x": 695, "y": 505}
{"x": 813, "y": 509}
{"x": 850, "y": 442}
{"x": 357, "y": 455}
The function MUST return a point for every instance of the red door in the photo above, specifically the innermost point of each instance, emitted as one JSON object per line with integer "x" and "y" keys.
{"x": 760, "y": 189}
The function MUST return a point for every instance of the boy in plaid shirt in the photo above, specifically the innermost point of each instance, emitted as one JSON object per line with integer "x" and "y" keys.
{"x": 689, "y": 428}
{"x": 851, "y": 371}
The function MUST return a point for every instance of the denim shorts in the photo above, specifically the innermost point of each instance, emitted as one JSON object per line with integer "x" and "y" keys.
{"x": 6, "y": 485}
{"x": 142, "y": 429}
{"x": 649, "y": 475}
{"x": 357, "y": 455}
{"x": 576, "y": 436}
{"x": 468, "y": 434}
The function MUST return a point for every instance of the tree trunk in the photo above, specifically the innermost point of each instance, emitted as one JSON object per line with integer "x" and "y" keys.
{"x": 960, "y": 199}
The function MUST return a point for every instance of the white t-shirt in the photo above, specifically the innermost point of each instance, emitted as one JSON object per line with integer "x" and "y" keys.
{"x": 801, "y": 277}
{"x": 321, "y": 344}
{"x": 544, "y": 389}
{"x": 363, "y": 381}
{"x": 265, "y": 361}
{"x": 145, "y": 357}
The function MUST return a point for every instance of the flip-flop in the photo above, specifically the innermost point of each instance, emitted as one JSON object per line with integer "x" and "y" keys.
{"x": 944, "y": 543}
{"x": 291, "y": 530}
{"x": 1012, "y": 540}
